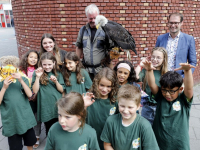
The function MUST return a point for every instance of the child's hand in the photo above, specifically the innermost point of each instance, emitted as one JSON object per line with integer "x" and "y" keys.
{"x": 39, "y": 71}
{"x": 17, "y": 76}
{"x": 145, "y": 59}
{"x": 53, "y": 79}
{"x": 184, "y": 66}
{"x": 148, "y": 65}
{"x": 7, "y": 82}
{"x": 88, "y": 99}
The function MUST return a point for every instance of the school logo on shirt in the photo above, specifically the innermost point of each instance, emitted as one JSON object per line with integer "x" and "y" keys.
{"x": 177, "y": 106}
{"x": 112, "y": 110}
{"x": 136, "y": 143}
{"x": 83, "y": 147}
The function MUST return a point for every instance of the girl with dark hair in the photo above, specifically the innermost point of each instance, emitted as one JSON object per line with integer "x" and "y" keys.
{"x": 48, "y": 44}
{"x": 48, "y": 84}
{"x": 71, "y": 132}
{"x": 76, "y": 78}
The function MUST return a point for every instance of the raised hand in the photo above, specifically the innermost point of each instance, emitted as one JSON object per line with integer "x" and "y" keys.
{"x": 88, "y": 99}
{"x": 145, "y": 59}
{"x": 184, "y": 66}
{"x": 148, "y": 65}
{"x": 7, "y": 82}
{"x": 17, "y": 76}
{"x": 53, "y": 78}
{"x": 39, "y": 71}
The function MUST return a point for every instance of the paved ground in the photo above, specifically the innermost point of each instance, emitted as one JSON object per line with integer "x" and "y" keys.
{"x": 8, "y": 46}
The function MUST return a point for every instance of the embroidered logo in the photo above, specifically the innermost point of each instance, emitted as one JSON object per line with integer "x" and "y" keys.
{"x": 83, "y": 147}
{"x": 82, "y": 79}
{"x": 112, "y": 110}
{"x": 177, "y": 106}
{"x": 136, "y": 143}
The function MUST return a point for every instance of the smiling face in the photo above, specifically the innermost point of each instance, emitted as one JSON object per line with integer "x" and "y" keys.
{"x": 157, "y": 59}
{"x": 47, "y": 65}
{"x": 104, "y": 87}
{"x": 91, "y": 19}
{"x": 122, "y": 75}
{"x": 48, "y": 44}
{"x": 68, "y": 122}
{"x": 176, "y": 26}
{"x": 70, "y": 65}
{"x": 127, "y": 109}
{"x": 32, "y": 59}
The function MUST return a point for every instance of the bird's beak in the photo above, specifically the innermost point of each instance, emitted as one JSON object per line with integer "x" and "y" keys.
{"x": 97, "y": 26}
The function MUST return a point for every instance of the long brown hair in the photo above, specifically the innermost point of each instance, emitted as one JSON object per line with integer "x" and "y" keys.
{"x": 55, "y": 49}
{"x": 163, "y": 68}
{"x": 66, "y": 73}
{"x": 110, "y": 75}
{"x": 73, "y": 104}
{"x": 48, "y": 55}
{"x": 24, "y": 61}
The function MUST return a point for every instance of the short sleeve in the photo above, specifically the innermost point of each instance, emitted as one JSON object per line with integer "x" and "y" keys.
{"x": 187, "y": 102}
{"x": 26, "y": 81}
{"x": 93, "y": 141}
{"x": 49, "y": 142}
{"x": 106, "y": 133}
{"x": 61, "y": 80}
{"x": 142, "y": 75}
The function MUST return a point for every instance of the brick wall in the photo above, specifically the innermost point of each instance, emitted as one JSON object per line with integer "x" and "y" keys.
{"x": 145, "y": 19}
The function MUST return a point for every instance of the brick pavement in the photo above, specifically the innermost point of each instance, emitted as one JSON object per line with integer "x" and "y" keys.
{"x": 8, "y": 46}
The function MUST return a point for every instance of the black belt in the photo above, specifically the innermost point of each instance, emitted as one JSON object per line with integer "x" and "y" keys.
{"x": 91, "y": 66}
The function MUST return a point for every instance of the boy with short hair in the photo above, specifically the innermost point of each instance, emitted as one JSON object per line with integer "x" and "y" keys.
{"x": 16, "y": 114}
{"x": 128, "y": 130}
{"x": 171, "y": 122}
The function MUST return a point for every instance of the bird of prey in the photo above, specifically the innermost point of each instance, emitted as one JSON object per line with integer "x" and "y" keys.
{"x": 117, "y": 37}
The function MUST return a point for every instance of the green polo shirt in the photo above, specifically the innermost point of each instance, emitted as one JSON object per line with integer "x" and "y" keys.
{"x": 59, "y": 139}
{"x": 157, "y": 75}
{"x": 171, "y": 123}
{"x": 16, "y": 113}
{"x": 47, "y": 97}
{"x": 98, "y": 112}
{"x": 86, "y": 83}
{"x": 138, "y": 135}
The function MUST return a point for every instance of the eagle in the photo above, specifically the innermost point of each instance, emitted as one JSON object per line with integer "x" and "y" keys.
{"x": 117, "y": 37}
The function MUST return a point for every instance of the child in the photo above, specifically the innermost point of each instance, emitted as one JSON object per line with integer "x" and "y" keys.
{"x": 17, "y": 117}
{"x": 28, "y": 64}
{"x": 128, "y": 130}
{"x": 171, "y": 122}
{"x": 71, "y": 132}
{"x": 125, "y": 72}
{"x": 104, "y": 88}
{"x": 159, "y": 61}
{"x": 76, "y": 78}
{"x": 48, "y": 84}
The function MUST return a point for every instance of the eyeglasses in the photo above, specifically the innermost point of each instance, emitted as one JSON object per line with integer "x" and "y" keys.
{"x": 175, "y": 23}
{"x": 171, "y": 92}
{"x": 157, "y": 58}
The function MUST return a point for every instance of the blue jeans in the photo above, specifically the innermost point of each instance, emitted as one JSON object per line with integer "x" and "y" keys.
{"x": 149, "y": 113}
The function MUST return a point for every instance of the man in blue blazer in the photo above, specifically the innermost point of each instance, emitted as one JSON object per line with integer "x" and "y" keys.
{"x": 180, "y": 46}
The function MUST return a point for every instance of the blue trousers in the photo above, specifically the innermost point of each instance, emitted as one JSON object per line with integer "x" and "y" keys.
{"x": 149, "y": 113}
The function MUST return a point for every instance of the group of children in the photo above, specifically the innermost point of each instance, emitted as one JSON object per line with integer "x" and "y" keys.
{"x": 64, "y": 98}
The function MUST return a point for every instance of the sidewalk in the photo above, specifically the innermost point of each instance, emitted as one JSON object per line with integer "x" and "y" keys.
{"x": 8, "y": 46}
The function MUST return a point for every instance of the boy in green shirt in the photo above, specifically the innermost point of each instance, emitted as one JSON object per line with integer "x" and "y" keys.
{"x": 128, "y": 130}
{"x": 16, "y": 114}
{"x": 171, "y": 122}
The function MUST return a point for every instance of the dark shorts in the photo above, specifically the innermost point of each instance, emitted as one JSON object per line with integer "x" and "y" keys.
{"x": 15, "y": 141}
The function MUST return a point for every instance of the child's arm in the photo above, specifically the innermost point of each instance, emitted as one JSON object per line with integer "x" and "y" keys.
{"x": 107, "y": 146}
{"x": 6, "y": 84}
{"x": 139, "y": 67}
{"x": 88, "y": 99}
{"x": 188, "y": 80}
{"x": 58, "y": 86}
{"x": 27, "y": 90}
{"x": 36, "y": 84}
{"x": 150, "y": 77}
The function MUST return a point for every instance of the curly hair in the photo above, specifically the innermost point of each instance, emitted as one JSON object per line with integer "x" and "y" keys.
{"x": 24, "y": 61}
{"x": 132, "y": 76}
{"x": 110, "y": 75}
{"x": 48, "y": 55}
{"x": 73, "y": 104}
{"x": 66, "y": 73}
{"x": 9, "y": 60}
{"x": 55, "y": 49}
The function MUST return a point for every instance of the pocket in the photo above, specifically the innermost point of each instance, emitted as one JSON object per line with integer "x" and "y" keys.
{"x": 100, "y": 42}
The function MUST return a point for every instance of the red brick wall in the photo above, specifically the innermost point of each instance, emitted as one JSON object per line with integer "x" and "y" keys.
{"x": 145, "y": 19}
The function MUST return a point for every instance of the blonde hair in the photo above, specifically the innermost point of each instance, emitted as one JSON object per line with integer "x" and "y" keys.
{"x": 163, "y": 68}
{"x": 9, "y": 60}
{"x": 110, "y": 75}
{"x": 129, "y": 92}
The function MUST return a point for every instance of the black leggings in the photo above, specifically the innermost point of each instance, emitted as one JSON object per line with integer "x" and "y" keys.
{"x": 49, "y": 123}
